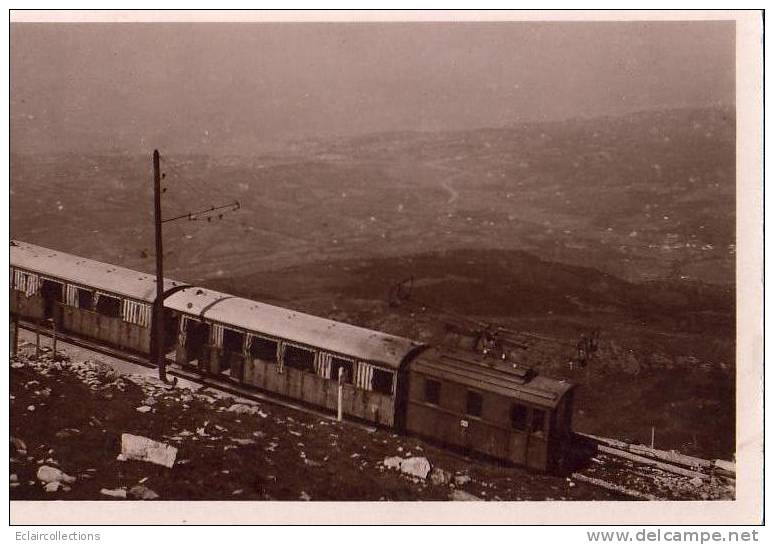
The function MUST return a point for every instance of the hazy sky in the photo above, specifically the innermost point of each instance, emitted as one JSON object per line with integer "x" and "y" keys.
{"x": 238, "y": 87}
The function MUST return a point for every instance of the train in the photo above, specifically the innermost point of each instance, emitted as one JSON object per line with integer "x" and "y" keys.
{"x": 457, "y": 396}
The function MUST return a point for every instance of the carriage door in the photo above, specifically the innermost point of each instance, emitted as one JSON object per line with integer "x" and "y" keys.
{"x": 171, "y": 327}
{"x": 196, "y": 339}
{"x": 53, "y": 295}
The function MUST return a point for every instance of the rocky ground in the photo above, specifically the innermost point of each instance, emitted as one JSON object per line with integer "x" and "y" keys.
{"x": 68, "y": 417}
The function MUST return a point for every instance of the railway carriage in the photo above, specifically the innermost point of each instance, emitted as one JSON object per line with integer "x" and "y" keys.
{"x": 292, "y": 354}
{"x": 490, "y": 406}
{"x": 104, "y": 302}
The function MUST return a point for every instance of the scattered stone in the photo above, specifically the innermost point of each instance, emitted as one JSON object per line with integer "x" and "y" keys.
{"x": 696, "y": 481}
{"x": 304, "y": 496}
{"x": 459, "y": 480}
{"x": 115, "y": 493}
{"x": 48, "y": 474}
{"x": 53, "y": 486}
{"x": 19, "y": 445}
{"x": 439, "y": 476}
{"x": 242, "y": 408}
{"x": 461, "y": 495}
{"x": 137, "y": 447}
{"x": 140, "y": 492}
{"x": 31, "y": 408}
{"x": 14, "y": 478}
{"x": 143, "y": 409}
{"x": 67, "y": 432}
{"x": 243, "y": 442}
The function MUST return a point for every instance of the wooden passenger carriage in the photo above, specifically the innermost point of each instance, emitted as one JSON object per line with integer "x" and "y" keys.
{"x": 105, "y": 302}
{"x": 290, "y": 353}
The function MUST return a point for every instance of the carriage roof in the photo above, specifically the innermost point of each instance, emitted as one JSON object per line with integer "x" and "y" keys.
{"x": 86, "y": 272}
{"x": 314, "y": 331}
{"x": 492, "y": 375}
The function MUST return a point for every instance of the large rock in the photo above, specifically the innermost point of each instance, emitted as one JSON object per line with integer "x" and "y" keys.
{"x": 48, "y": 474}
{"x": 393, "y": 462}
{"x": 416, "y": 466}
{"x": 137, "y": 447}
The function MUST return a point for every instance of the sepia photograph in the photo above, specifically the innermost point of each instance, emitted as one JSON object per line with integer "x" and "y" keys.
{"x": 269, "y": 262}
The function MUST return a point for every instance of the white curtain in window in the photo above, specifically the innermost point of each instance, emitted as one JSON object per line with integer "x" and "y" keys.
{"x": 364, "y": 375}
{"x": 71, "y": 296}
{"x": 247, "y": 342}
{"x": 26, "y": 282}
{"x": 322, "y": 364}
{"x": 216, "y": 335}
{"x": 181, "y": 334}
{"x": 138, "y": 313}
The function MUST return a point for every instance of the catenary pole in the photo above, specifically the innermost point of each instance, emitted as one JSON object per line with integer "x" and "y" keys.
{"x": 158, "y": 307}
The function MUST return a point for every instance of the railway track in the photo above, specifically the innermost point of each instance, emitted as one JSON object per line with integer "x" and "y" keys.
{"x": 632, "y": 470}
{"x": 651, "y": 474}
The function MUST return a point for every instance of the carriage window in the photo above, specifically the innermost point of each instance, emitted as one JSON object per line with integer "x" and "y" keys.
{"x": 232, "y": 340}
{"x": 382, "y": 381}
{"x": 197, "y": 336}
{"x": 109, "y": 306}
{"x": 474, "y": 403}
{"x": 538, "y": 420}
{"x": 336, "y": 364}
{"x": 263, "y": 349}
{"x": 518, "y": 417}
{"x": 85, "y": 299}
{"x": 299, "y": 358}
{"x": 432, "y": 391}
